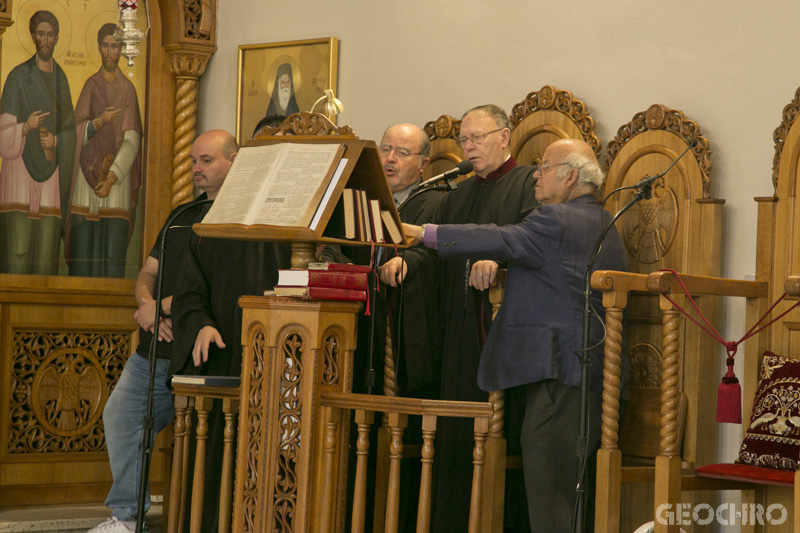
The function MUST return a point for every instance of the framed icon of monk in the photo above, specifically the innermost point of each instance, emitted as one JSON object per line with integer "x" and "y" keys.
{"x": 278, "y": 79}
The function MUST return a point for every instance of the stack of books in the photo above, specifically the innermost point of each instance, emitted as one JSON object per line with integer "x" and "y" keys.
{"x": 366, "y": 221}
{"x": 325, "y": 281}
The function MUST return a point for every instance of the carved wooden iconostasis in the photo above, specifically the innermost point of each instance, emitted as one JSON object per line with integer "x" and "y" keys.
{"x": 64, "y": 339}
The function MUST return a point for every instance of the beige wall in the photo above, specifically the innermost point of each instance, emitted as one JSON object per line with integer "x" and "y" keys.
{"x": 730, "y": 66}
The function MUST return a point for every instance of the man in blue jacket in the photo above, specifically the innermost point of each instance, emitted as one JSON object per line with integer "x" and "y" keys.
{"x": 538, "y": 329}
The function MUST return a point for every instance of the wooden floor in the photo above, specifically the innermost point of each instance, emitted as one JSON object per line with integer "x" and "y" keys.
{"x": 68, "y": 519}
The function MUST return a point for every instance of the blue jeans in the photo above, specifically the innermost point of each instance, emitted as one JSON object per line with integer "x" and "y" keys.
{"x": 122, "y": 417}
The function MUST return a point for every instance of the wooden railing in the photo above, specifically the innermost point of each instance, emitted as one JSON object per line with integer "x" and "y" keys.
{"x": 397, "y": 411}
{"x": 195, "y": 402}
{"x": 191, "y": 400}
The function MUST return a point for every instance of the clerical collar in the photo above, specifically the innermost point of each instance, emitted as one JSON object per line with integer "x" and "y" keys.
{"x": 499, "y": 172}
{"x": 400, "y": 196}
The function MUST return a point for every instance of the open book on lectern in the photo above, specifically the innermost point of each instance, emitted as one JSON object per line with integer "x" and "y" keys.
{"x": 291, "y": 191}
{"x": 278, "y": 185}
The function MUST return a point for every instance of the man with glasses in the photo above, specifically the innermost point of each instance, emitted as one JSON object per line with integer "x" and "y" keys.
{"x": 538, "y": 330}
{"x": 405, "y": 154}
{"x": 501, "y": 192}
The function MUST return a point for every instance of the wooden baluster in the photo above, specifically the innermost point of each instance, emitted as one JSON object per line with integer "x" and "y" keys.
{"x": 203, "y": 406}
{"x": 176, "y": 478}
{"x": 424, "y": 508}
{"x": 189, "y": 422}
{"x": 230, "y": 407}
{"x": 478, "y": 460}
{"x": 331, "y": 418}
{"x": 364, "y": 420}
{"x": 397, "y": 423}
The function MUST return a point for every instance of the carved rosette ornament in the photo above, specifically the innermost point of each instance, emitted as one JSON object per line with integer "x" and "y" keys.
{"x": 60, "y": 383}
{"x": 289, "y": 416}
{"x": 549, "y": 97}
{"x": 659, "y": 117}
{"x": 650, "y": 226}
{"x": 645, "y": 366}
{"x": 788, "y": 117}
{"x": 255, "y": 431}
{"x": 444, "y": 127}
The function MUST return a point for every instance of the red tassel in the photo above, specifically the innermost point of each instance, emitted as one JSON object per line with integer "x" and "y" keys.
{"x": 729, "y": 397}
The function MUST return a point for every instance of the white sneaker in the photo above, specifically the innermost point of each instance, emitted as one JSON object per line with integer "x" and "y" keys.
{"x": 115, "y": 525}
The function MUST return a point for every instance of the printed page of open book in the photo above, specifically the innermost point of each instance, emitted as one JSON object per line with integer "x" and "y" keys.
{"x": 277, "y": 184}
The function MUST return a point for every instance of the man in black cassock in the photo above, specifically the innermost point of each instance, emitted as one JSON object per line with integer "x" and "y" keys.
{"x": 501, "y": 192}
{"x": 206, "y": 315}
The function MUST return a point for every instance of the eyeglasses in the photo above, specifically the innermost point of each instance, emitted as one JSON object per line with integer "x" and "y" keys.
{"x": 476, "y": 138}
{"x": 541, "y": 169}
{"x": 402, "y": 153}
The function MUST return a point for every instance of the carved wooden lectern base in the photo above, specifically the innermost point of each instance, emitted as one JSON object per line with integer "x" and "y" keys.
{"x": 293, "y": 350}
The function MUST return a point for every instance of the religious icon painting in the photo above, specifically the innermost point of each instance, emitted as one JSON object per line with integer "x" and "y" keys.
{"x": 279, "y": 79}
{"x": 71, "y": 168}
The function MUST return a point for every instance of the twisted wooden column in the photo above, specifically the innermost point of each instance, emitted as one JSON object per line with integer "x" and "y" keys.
{"x": 497, "y": 398}
{"x": 389, "y": 371}
{"x": 670, "y": 367}
{"x": 187, "y": 67}
{"x": 612, "y": 361}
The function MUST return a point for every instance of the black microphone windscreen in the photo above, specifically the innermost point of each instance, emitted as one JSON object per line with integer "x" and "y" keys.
{"x": 464, "y": 167}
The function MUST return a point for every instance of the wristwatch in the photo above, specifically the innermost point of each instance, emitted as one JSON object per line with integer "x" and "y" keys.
{"x": 422, "y": 234}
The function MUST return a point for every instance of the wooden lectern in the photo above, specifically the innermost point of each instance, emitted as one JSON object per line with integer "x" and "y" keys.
{"x": 293, "y": 350}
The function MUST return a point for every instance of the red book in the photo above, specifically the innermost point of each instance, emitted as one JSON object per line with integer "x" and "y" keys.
{"x": 322, "y": 293}
{"x": 340, "y": 267}
{"x": 339, "y": 279}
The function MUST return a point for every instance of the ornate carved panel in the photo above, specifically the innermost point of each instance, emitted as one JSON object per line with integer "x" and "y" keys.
{"x": 289, "y": 415}
{"x": 60, "y": 383}
{"x": 305, "y": 123}
{"x": 788, "y": 117}
{"x": 649, "y": 227}
{"x": 198, "y": 19}
{"x": 330, "y": 369}
{"x": 659, "y": 117}
{"x": 255, "y": 430}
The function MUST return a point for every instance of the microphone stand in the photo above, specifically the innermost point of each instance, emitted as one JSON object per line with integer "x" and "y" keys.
{"x": 446, "y": 185}
{"x": 645, "y": 192}
{"x": 148, "y": 420}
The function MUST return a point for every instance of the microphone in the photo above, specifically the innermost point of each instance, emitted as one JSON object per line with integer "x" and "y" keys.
{"x": 464, "y": 167}
{"x": 648, "y": 180}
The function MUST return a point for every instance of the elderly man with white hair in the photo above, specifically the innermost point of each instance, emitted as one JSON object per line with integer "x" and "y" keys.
{"x": 536, "y": 335}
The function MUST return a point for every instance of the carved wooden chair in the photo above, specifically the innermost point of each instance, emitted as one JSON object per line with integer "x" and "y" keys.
{"x": 678, "y": 228}
{"x": 545, "y": 116}
{"x": 776, "y": 261}
{"x": 445, "y": 153}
